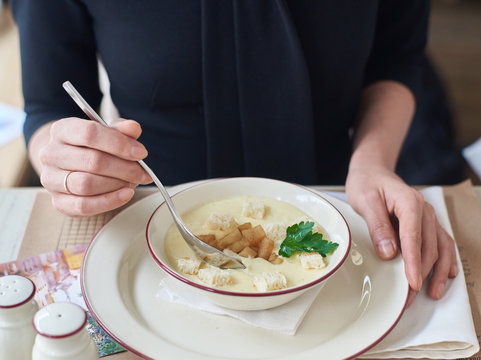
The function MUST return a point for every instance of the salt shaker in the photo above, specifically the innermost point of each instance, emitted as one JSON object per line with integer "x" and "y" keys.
{"x": 61, "y": 334}
{"x": 17, "y": 309}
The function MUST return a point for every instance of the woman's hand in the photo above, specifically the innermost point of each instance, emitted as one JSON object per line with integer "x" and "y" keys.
{"x": 397, "y": 216}
{"x": 89, "y": 168}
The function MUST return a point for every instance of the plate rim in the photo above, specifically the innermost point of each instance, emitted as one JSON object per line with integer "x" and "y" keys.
{"x": 178, "y": 188}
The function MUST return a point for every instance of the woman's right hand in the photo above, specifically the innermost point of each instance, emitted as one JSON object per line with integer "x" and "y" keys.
{"x": 87, "y": 167}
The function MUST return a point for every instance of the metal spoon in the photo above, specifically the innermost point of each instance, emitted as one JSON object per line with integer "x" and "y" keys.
{"x": 206, "y": 252}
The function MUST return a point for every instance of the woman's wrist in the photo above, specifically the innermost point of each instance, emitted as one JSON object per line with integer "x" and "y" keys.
{"x": 38, "y": 140}
{"x": 385, "y": 114}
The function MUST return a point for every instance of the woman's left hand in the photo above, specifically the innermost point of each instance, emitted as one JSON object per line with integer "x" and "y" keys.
{"x": 398, "y": 218}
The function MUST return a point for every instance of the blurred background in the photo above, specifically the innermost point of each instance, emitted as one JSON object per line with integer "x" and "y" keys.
{"x": 454, "y": 52}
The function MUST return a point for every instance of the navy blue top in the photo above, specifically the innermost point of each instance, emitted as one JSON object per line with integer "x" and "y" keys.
{"x": 223, "y": 88}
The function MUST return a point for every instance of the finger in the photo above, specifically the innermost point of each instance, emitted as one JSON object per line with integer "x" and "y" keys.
{"x": 73, "y": 205}
{"x": 442, "y": 268}
{"x": 98, "y": 163}
{"x": 382, "y": 233}
{"x": 429, "y": 248}
{"x": 453, "y": 269}
{"x": 409, "y": 214}
{"x": 90, "y": 134}
{"x": 130, "y": 128}
{"x": 79, "y": 183}
{"x": 411, "y": 297}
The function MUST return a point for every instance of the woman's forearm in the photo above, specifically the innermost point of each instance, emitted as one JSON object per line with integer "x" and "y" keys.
{"x": 386, "y": 112}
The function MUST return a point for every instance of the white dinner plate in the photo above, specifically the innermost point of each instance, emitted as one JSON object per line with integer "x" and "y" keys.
{"x": 355, "y": 310}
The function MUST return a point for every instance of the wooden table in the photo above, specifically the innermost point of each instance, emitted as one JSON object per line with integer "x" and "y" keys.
{"x": 26, "y": 214}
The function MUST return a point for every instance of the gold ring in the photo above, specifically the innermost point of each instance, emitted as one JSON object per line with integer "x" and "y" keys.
{"x": 65, "y": 185}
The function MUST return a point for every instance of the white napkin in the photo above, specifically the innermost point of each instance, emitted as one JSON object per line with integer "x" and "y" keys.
{"x": 285, "y": 318}
{"x": 441, "y": 329}
{"x": 428, "y": 328}
{"x": 472, "y": 154}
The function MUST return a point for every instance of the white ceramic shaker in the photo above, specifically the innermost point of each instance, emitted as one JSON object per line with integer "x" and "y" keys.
{"x": 61, "y": 334}
{"x": 17, "y": 309}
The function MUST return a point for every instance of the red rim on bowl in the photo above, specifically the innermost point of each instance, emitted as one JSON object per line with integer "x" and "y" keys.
{"x": 179, "y": 277}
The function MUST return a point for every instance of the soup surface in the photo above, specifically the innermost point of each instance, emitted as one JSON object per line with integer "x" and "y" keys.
{"x": 273, "y": 215}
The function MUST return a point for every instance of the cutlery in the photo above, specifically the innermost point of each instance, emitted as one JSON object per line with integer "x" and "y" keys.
{"x": 207, "y": 253}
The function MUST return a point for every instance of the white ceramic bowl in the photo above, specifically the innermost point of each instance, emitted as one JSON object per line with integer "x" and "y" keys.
{"x": 310, "y": 202}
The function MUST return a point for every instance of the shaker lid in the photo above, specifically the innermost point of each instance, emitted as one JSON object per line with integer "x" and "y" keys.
{"x": 15, "y": 290}
{"x": 59, "y": 320}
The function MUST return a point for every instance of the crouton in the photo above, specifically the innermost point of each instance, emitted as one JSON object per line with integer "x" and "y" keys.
{"x": 245, "y": 226}
{"x": 248, "y": 252}
{"x": 214, "y": 277}
{"x": 254, "y": 235}
{"x": 265, "y": 248}
{"x": 216, "y": 259}
{"x": 270, "y": 281}
{"x": 217, "y": 221}
{"x": 239, "y": 245}
{"x": 275, "y": 231}
{"x": 189, "y": 265}
{"x": 274, "y": 259}
{"x": 312, "y": 260}
{"x": 208, "y": 239}
{"x": 253, "y": 209}
{"x": 229, "y": 239}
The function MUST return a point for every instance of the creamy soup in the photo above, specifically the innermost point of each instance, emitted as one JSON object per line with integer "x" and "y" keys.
{"x": 274, "y": 214}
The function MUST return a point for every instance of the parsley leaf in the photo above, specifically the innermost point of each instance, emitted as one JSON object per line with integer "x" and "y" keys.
{"x": 299, "y": 238}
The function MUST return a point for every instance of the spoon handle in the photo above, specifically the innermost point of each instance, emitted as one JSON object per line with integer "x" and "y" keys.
{"x": 92, "y": 114}
{"x": 196, "y": 244}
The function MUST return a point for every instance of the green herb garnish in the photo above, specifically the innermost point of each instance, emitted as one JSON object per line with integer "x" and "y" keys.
{"x": 300, "y": 238}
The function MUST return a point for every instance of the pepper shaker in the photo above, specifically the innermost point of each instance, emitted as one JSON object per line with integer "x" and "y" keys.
{"x": 61, "y": 334}
{"x": 17, "y": 309}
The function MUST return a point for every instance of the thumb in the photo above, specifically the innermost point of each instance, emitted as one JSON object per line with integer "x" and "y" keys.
{"x": 382, "y": 233}
{"x": 130, "y": 128}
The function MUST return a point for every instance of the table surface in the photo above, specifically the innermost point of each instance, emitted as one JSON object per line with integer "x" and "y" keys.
{"x": 16, "y": 206}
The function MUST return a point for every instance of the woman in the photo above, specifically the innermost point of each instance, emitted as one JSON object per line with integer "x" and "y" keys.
{"x": 308, "y": 92}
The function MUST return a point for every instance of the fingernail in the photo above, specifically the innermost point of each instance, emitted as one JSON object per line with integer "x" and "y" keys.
{"x": 146, "y": 178}
{"x": 125, "y": 194}
{"x": 419, "y": 281}
{"x": 411, "y": 297}
{"x": 386, "y": 248}
{"x": 138, "y": 151}
{"x": 454, "y": 270}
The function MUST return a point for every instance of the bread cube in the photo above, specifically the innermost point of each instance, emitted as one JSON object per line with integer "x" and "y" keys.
{"x": 254, "y": 235}
{"x": 248, "y": 252}
{"x": 245, "y": 226}
{"x": 208, "y": 239}
{"x": 275, "y": 231}
{"x": 253, "y": 209}
{"x": 275, "y": 259}
{"x": 218, "y": 221}
{"x": 189, "y": 265}
{"x": 239, "y": 245}
{"x": 265, "y": 248}
{"x": 229, "y": 239}
{"x": 312, "y": 260}
{"x": 270, "y": 281}
{"x": 214, "y": 276}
